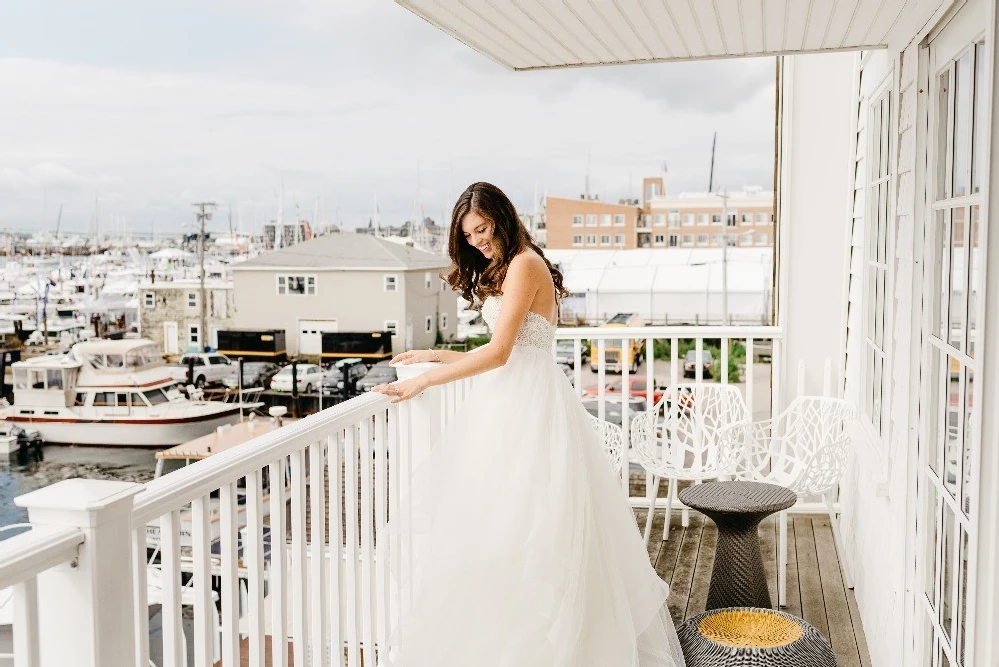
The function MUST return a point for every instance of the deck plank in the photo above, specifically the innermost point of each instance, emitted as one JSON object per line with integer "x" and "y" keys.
{"x": 841, "y": 633}
{"x": 701, "y": 581}
{"x": 793, "y": 592}
{"x": 813, "y": 607}
{"x": 683, "y": 573}
{"x": 768, "y": 546}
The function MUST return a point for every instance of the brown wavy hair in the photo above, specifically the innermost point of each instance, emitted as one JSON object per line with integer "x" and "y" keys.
{"x": 472, "y": 275}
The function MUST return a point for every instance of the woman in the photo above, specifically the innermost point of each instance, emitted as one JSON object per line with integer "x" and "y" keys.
{"x": 528, "y": 553}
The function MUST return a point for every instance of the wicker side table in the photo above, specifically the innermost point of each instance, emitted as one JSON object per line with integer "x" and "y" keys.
{"x": 737, "y": 508}
{"x": 743, "y": 637}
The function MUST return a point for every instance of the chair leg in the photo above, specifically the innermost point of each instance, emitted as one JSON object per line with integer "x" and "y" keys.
{"x": 844, "y": 561}
{"x": 652, "y": 510}
{"x": 671, "y": 492}
{"x": 684, "y": 511}
{"x": 782, "y": 559}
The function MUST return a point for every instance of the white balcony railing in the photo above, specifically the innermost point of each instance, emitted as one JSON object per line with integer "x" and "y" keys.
{"x": 244, "y": 538}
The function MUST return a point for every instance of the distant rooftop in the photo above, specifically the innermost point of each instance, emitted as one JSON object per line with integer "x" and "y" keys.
{"x": 346, "y": 252}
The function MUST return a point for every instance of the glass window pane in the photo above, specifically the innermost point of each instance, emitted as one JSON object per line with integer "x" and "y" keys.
{"x": 970, "y": 474}
{"x": 931, "y": 542}
{"x": 936, "y": 407}
{"x": 941, "y": 273}
{"x": 974, "y": 256}
{"x": 959, "y": 278}
{"x": 980, "y": 119}
{"x": 947, "y": 571}
{"x": 962, "y": 124}
{"x": 943, "y": 135}
{"x": 963, "y": 599}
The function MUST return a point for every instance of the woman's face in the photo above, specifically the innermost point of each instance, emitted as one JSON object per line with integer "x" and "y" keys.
{"x": 478, "y": 232}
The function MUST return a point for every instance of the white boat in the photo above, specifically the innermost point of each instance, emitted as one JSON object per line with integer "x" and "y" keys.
{"x": 111, "y": 392}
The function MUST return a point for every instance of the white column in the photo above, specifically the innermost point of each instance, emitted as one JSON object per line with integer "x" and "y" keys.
{"x": 85, "y": 609}
{"x": 424, "y": 412}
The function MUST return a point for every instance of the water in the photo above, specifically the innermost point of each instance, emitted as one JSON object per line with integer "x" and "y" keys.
{"x": 128, "y": 464}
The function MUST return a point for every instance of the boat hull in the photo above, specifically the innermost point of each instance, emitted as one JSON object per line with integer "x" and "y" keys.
{"x": 126, "y": 431}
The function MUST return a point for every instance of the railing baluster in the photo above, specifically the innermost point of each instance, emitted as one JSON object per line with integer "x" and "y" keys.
{"x": 141, "y": 595}
{"x": 396, "y": 431}
{"x": 335, "y": 458}
{"x": 750, "y": 370}
{"x": 350, "y": 568}
{"x": 26, "y": 645}
{"x": 317, "y": 553}
{"x": 625, "y": 403}
{"x": 601, "y": 379}
{"x": 382, "y": 545}
{"x": 577, "y": 360}
{"x": 174, "y": 644}
{"x": 699, "y": 360}
{"x": 277, "y": 578}
{"x": 204, "y": 606}
{"x": 367, "y": 547}
{"x": 299, "y": 573}
{"x": 723, "y": 369}
{"x": 230, "y": 581}
{"x": 253, "y": 556}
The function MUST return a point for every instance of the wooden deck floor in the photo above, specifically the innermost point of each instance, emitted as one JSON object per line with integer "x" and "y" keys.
{"x": 815, "y": 588}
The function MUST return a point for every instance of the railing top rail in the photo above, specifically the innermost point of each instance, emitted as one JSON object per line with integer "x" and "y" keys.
{"x": 692, "y": 331}
{"x": 178, "y": 488}
{"x": 30, "y": 553}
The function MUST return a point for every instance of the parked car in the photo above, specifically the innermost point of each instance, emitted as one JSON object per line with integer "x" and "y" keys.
{"x": 309, "y": 378}
{"x": 636, "y": 387}
{"x": 255, "y": 374}
{"x": 209, "y": 368}
{"x": 690, "y": 363}
{"x": 613, "y": 406}
{"x": 565, "y": 352}
{"x": 380, "y": 373}
{"x": 341, "y": 380}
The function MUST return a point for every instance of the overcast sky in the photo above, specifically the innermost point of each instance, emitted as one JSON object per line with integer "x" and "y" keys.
{"x": 153, "y": 105}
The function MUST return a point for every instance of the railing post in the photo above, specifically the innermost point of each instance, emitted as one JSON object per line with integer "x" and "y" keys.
{"x": 425, "y": 413}
{"x": 86, "y": 614}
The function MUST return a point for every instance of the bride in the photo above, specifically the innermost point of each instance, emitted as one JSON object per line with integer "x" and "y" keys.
{"x": 528, "y": 553}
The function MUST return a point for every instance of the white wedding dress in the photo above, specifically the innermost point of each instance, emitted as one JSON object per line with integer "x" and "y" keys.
{"x": 526, "y": 551}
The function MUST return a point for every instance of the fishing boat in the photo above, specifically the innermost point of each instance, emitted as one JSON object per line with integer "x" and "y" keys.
{"x": 111, "y": 392}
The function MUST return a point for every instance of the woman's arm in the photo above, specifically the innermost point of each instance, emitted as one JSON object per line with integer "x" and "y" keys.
{"x": 523, "y": 278}
{"x": 422, "y": 356}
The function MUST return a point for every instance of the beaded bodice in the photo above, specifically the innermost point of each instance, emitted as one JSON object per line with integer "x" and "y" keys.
{"x": 536, "y": 331}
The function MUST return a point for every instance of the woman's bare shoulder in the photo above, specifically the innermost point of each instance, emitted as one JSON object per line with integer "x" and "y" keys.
{"x": 529, "y": 260}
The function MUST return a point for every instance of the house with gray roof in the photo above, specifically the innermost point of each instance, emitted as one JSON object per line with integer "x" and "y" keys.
{"x": 348, "y": 283}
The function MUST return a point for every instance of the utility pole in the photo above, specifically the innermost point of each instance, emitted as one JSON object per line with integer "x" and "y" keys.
{"x": 203, "y": 215}
{"x": 724, "y": 197}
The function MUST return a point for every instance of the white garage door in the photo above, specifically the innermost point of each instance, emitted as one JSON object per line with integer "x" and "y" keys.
{"x": 310, "y": 335}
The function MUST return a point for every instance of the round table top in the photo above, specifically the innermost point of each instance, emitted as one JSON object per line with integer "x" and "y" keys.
{"x": 738, "y": 497}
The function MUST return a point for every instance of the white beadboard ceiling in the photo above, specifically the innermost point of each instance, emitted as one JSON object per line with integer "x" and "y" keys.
{"x": 541, "y": 34}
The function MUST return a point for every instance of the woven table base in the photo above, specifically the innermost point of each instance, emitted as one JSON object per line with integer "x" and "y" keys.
{"x": 746, "y": 637}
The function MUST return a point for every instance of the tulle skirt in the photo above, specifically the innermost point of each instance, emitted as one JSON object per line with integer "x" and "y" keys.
{"x": 526, "y": 552}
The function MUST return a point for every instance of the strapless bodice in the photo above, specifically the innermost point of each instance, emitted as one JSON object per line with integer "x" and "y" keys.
{"x": 536, "y": 331}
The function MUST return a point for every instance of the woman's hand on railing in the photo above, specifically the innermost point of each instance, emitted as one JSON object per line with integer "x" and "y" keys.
{"x": 415, "y": 357}
{"x": 403, "y": 390}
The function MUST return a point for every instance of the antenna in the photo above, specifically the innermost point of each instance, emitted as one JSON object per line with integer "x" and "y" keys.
{"x": 203, "y": 215}
{"x": 711, "y": 173}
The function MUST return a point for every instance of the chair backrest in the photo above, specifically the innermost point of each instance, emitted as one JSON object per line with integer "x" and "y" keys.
{"x": 814, "y": 431}
{"x": 682, "y": 429}
{"x": 612, "y": 439}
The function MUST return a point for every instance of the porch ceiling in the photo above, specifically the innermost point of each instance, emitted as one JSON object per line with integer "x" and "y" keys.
{"x": 542, "y": 34}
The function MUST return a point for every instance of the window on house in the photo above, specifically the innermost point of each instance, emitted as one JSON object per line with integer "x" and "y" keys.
{"x": 659, "y": 239}
{"x": 605, "y": 219}
{"x": 577, "y": 239}
{"x": 716, "y": 218}
{"x": 674, "y": 218}
{"x": 877, "y": 297}
{"x": 761, "y": 218}
{"x": 194, "y": 334}
{"x": 577, "y": 221}
{"x": 761, "y": 239}
{"x": 605, "y": 239}
{"x": 391, "y": 283}
{"x": 645, "y": 220}
{"x": 148, "y": 300}
{"x": 702, "y": 218}
{"x": 427, "y": 278}
{"x": 591, "y": 239}
{"x": 687, "y": 239}
{"x": 702, "y": 239}
{"x": 716, "y": 240}
{"x": 746, "y": 218}
{"x": 745, "y": 239}
{"x": 392, "y": 325}
{"x": 591, "y": 220}
{"x": 732, "y": 220}
{"x": 619, "y": 220}
{"x": 660, "y": 219}
{"x": 619, "y": 239}
{"x": 688, "y": 219}
{"x": 673, "y": 240}
{"x": 192, "y": 299}
{"x": 429, "y": 324}
{"x": 296, "y": 284}
{"x": 443, "y": 321}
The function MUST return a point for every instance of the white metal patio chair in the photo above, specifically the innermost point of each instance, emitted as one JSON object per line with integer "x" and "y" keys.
{"x": 805, "y": 449}
{"x": 678, "y": 438}
{"x": 612, "y": 439}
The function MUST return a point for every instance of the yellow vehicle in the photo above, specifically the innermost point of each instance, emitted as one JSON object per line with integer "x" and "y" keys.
{"x": 615, "y": 359}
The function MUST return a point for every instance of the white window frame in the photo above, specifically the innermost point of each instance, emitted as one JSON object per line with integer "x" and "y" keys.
{"x": 427, "y": 278}
{"x": 702, "y": 239}
{"x": 577, "y": 239}
{"x": 311, "y": 284}
{"x": 688, "y": 220}
{"x": 619, "y": 239}
{"x": 390, "y": 282}
{"x": 687, "y": 240}
{"x": 703, "y": 218}
{"x": 878, "y": 218}
{"x": 192, "y": 299}
{"x": 428, "y": 324}
{"x": 619, "y": 220}
{"x": 659, "y": 220}
{"x": 393, "y": 326}
{"x": 761, "y": 238}
{"x": 645, "y": 221}
{"x": 149, "y": 300}
{"x": 606, "y": 220}
{"x": 673, "y": 240}
{"x": 716, "y": 240}
{"x": 591, "y": 220}
{"x": 591, "y": 239}
{"x": 193, "y": 334}
{"x": 746, "y": 218}
{"x": 443, "y": 321}
{"x": 605, "y": 239}
{"x": 659, "y": 239}
{"x": 577, "y": 220}
{"x": 716, "y": 218}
